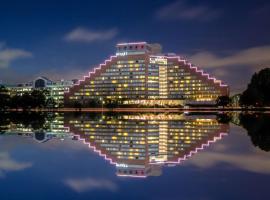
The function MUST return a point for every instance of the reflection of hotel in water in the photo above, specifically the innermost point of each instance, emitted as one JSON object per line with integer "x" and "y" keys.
{"x": 140, "y": 144}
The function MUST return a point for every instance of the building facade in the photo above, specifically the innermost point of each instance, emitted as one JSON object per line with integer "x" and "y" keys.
{"x": 56, "y": 89}
{"x": 139, "y": 74}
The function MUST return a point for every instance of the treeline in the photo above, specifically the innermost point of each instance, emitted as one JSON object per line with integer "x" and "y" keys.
{"x": 33, "y": 99}
{"x": 258, "y": 91}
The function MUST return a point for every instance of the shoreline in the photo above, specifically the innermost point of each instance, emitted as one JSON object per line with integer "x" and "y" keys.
{"x": 198, "y": 109}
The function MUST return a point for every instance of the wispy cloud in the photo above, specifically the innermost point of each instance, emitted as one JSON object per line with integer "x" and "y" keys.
{"x": 87, "y": 35}
{"x": 7, "y": 164}
{"x": 250, "y": 162}
{"x": 88, "y": 184}
{"x": 8, "y": 55}
{"x": 254, "y": 57}
{"x": 2, "y": 44}
{"x": 243, "y": 156}
{"x": 180, "y": 10}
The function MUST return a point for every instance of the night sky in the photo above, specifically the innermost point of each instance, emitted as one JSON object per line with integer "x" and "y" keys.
{"x": 65, "y": 39}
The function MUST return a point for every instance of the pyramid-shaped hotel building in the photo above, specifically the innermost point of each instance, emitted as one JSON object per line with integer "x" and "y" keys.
{"x": 140, "y": 74}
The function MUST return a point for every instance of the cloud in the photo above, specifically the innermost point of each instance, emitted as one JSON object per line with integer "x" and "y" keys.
{"x": 243, "y": 156}
{"x": 8, "y": 55}
{"x": 250, "y": 162}
{"x": 7, "y": 164}
{"x": 83, "y": 185}
{"x": 2, "y": 44}
{"x": 255, "y": 57}
{"x": 87, "y": 35}
{"x": 180, "y": 10}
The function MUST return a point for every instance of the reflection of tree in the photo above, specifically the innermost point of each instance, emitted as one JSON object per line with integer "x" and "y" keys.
{"x": 223, "y": 101}
{"x": 4, "y": 122}
{"x": 34, "y": 120}
{"x": 223, "y": 118}
{"x": 84, "y": 116}
{"x": 258, "y": 127}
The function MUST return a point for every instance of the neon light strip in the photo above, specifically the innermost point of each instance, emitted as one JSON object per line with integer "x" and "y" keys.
{"x": 194, "y": 67}
{"x": 191, "y": 153}
{"x": 103, "y": 155}
{"x": 168, "y": 57}
{"x": 92, "y": 72}
{"x": 133, "y": 176}
{"x": 131, "y": 43}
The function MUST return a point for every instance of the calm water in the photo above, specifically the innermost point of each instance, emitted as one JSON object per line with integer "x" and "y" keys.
{"x": 134, "y": 156}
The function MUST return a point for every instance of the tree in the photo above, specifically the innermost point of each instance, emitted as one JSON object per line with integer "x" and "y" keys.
{"x": 223, "y": 101}
{"x": 38, "y": 98}
{"x": 93, "y": 103}
{"x": 4, "y": 97}
{"x": 26, "y": 101}
{"x": 50, "y": 103}
{"x": 111, "y": 104}
{"x": 257, "y": 92}
{"x": 15, "y": 101}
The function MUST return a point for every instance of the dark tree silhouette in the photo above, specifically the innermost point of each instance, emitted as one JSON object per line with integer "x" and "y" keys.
{"x": 223, "y": 101}
{"x": 93, "y": 103}
{"x": 257, "y": 92}
{"x": 4, "y": 97}
{"x": 50, "y": 103}
{"x": 111, "y": 103}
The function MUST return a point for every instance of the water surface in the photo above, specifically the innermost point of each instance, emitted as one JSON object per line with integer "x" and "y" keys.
{"x": 131, "y": 156}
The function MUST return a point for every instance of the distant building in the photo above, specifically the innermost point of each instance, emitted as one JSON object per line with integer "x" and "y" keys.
{"x": 56, "y": 89}
{"x": 139, "y": 74}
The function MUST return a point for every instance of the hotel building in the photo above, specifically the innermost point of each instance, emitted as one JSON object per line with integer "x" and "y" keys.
{"x": 139, "y": 145}
{"x": 140, "y": 74}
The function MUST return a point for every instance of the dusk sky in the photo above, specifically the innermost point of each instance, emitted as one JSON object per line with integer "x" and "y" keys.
{"x": 66, "y": 39}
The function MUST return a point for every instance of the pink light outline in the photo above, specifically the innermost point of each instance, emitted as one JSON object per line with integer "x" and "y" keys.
{"x": 168, "y": 57}
{"x": 92, "y": 72}
{"x": 131, "y": 43}
{"x": 191, "y": 153}
{"x": 194, "y": 67}
{"x": 179, "y": 161}
{"x": 133, "y": 176}
{"x": 103, "y": 155}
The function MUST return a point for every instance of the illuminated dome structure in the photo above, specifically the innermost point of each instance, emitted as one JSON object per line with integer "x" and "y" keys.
{"x": 139, "y": 74}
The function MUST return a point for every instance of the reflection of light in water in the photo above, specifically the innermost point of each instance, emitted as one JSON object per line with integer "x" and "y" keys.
{"x": 139, "y": 145}
{"x": 203, "y": 146}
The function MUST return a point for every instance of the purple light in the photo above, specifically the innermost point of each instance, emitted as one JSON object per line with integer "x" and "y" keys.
{"x": 133, "y": 176}
{"x": 93, "y": 72}
{"x": 131, "y": 43}
{"x": 168, "y": 57}
{"x": 203, "y": 146}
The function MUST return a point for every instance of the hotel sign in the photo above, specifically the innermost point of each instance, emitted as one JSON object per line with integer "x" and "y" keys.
{"x": 124, "y": 53}
{"x": 158, "y": 60}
